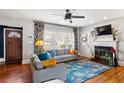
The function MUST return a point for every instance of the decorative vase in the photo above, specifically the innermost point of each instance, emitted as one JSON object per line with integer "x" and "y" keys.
{"x": 115, "y": 61}
{"x": 114, "y": 38}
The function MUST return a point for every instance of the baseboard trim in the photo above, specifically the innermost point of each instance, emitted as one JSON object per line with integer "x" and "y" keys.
{"x": 121, "y": 63}
{"x": 26, "y": 61}
{"x": 1, "y": 63}
{"x": 2, "y": 59}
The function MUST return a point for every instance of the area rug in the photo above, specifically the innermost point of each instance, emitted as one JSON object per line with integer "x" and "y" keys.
{"x": 80, "y": 72}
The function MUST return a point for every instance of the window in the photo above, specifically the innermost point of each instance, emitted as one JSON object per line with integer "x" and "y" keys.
{"x": 58, "y": 39}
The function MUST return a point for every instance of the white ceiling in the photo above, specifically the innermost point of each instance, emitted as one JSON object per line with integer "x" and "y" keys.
{"x": 46, "y": 15}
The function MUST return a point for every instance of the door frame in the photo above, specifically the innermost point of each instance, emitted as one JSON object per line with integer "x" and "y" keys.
{"x": 5, "y": 41}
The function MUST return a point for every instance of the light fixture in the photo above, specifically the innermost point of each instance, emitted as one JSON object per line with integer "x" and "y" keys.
{"x": 68, "y": 21}
{"x": 91, "y": 22}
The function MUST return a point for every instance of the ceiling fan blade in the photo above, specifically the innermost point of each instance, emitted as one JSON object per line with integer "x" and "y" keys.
{"x": 73, "y": 10}
{"x": 58, "y": 14}
{"x": 77, "y": 16}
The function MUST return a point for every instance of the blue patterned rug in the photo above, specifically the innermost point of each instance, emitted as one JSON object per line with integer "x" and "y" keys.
{"x": 81, "y": 71}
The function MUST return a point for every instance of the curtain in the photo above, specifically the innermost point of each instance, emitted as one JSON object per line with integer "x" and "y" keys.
{"x": 38, "y": 34}
{"x": 1, "y": 42}
{"x": 75, "y": 38}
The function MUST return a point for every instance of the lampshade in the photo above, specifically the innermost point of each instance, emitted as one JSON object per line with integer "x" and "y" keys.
{"x": 39, "y": 43}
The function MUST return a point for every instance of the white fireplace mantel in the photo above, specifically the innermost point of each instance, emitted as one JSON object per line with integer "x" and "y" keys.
{"x": 106, "y": 43}
{"x": 105, "y": 40}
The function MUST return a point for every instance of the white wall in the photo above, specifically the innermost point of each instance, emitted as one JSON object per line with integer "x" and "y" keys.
{"x": 28, "y": 31}
{"x": 51, "y": 27}
{"x": 117, "y": 24}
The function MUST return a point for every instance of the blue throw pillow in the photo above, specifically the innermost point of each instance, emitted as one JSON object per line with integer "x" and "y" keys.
{"x": 52, "y": 52}
{"x": 49, "y": 55}
{"x": 43, "y": 56}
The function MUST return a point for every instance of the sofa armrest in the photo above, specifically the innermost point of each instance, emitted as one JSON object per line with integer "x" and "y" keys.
{"x": 56, "y": 72}
{"x": 76, "y": 52}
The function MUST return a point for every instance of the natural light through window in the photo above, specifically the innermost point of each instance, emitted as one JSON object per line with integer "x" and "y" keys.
{"x": 58, "y": 39}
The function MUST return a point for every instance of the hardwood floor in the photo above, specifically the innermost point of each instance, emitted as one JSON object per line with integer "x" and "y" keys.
{"x": 12, "y": 73}
{"x": 114, "y": 75}
{"x": 18, "y": 73}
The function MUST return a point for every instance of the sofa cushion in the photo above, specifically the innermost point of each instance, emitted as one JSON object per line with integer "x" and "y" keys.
{"x": 67, "y": 57}
{"x": 60, "y": 52}
{"x": 35, "y": 58}
{"x": 57, "y": 58}
{"x": 43, "y": 56}
{"x": 37, "y": 65}
{"x": 67, "y": 51}
{"x": 36, "y": 62}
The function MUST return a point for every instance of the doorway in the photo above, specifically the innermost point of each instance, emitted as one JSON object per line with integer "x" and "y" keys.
{"x": 13, "y": 44}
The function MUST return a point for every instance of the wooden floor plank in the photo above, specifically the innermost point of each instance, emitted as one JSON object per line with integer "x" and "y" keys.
{"x": 15, "y": 73}
{"x": 21, "y": 73}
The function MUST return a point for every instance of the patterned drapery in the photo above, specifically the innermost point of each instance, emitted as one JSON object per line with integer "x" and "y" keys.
{"x": 38, "y": 35}
{"x": 75, "y": 38}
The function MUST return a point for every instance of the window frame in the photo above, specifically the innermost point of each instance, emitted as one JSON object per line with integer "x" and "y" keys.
{"x": 53, "y": 39}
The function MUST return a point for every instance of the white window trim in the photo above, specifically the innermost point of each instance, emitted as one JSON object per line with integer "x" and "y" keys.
{"x": 53, "y": 28}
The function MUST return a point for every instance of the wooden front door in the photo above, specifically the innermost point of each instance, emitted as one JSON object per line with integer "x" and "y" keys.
{"x": 13, "y": 46}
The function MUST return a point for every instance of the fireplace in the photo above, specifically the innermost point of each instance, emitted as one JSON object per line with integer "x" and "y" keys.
{"x": 105, "y": 55}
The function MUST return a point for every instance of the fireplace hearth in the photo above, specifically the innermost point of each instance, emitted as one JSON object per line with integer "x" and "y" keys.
{"x": 105, "y": 55}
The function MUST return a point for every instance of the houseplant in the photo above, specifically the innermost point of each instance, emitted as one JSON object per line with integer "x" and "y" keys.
{"x": 115, "y": 34}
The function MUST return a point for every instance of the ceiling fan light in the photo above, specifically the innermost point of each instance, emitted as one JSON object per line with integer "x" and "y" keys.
{"x": 105, "y": 18}
{"x": 70, "y": 21}
{"x": 91, "y": 22}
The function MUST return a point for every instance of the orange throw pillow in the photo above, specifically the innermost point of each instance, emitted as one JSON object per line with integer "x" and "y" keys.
{"x": 71, "y": 51}
{"x": 48, "y": 62}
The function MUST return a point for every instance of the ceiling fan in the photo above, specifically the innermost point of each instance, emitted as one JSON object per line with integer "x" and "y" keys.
{"x": 68, "y": 16}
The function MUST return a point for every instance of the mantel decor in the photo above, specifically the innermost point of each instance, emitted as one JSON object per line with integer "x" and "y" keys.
{"x": 93, "y": 34}
{"x": 115, "y": 33}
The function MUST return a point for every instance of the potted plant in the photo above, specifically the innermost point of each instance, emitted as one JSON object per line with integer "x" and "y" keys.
{"x": 115, "y": 33}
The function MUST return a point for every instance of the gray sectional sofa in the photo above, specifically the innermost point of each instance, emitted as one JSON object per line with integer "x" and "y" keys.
{"x": 39, "y": 74}
{"x": 63, "y": 55}
{"x": 56, "y": 72}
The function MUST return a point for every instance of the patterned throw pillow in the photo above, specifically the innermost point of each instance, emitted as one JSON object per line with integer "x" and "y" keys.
{"x": 36, "y": 62}
{"x": 35, "y": 58}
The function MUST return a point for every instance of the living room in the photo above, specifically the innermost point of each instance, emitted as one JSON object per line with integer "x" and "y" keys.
{"x": 61, "y": 45}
